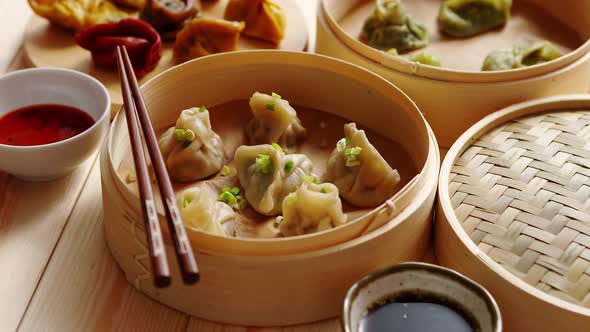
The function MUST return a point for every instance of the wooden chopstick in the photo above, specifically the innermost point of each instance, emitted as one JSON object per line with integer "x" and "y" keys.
{"x": 160, "y": 268}
{"x": 184, "y": 252}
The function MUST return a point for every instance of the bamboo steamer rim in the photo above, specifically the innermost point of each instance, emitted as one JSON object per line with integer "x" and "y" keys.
{"x": 557, "y": 103}
{"x": 440, "y": 73}
{"x": 406, "y": 195}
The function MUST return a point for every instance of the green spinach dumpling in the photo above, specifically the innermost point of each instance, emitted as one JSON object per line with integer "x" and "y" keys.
{"x": 389, "y": 26}
{"x": 466, "y": 18}
{"x": 518, "y": 56}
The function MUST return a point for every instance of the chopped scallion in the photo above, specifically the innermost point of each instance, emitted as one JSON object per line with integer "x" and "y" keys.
{"x": 202, "y": 109}
{"x": 186, "y": 201}
{"x": 351, "y": 156}
{"x": 276, "y": 95}
{"x": 341, "y": 145}
{"x": 263, "y": 164}
{"x": 270, "y": 107}
{"x": 289, "y": 166}
{"x": 324, "y": 191}
{"x": 180, "y": 134}
{"x": 225, "y": 170}
{"x": 310, "y": 178}
{"x": 185, "y": 144}
{"x": 277, "y": 147}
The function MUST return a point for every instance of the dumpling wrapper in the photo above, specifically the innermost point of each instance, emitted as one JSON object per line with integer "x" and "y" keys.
{"x": 204, "y": 36}
{"x": 78, "y": 14}
{"x": 389, "y": 26}
{"x": 199, "y": 159}
{"x": 265, "y": 191}
{"x": 264, "y": 19}
{"x": 312, "y": 208}
{"x": 518, "y": 57}
{"x": 275, "y": 121}
{"x": 367, "y": 184}
{"x": 201, "y": 211}
{"x": 466, "y": 18}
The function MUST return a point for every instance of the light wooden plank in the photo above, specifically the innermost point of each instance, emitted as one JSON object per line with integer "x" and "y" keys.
{"x": 14, "y": 16}
{"x": 32, "y": 216}
{"x": 84, "y": 290}
{"x": 198, "y": 325}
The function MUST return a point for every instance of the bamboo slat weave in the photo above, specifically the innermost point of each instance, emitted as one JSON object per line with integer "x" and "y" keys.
{"x": 522, "y": 193}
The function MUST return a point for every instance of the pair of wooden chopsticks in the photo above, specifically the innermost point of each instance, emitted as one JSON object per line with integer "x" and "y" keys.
{"x": 133, "y": 101}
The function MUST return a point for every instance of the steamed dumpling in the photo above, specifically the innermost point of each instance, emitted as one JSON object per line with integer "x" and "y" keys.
{"x": 362, "y": 176}
{"x": 275, "y": 121}
{"x": 264, "y": 19}
{"x": 267, "y": 175}
{"x": 201, "y": 211}
{"x": 191, "y": 149}
{"x": 312, "y": 208}
{"x": 466, "y": 18}
{"x": 389, "y": 26}
{"x": 518, "y": 57}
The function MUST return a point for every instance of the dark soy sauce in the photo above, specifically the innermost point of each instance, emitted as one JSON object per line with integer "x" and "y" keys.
{"x": 42, "y": 124}
{"x": 417, "y": 312}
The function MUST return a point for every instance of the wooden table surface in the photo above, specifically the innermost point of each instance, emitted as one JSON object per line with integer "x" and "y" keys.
{"x": 58, "y": 273}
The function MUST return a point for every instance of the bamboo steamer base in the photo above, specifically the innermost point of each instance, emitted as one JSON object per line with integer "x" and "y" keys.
{"x": 454, "y": 99}
{"x": 281, "y": 281}
{"x": 50, "y": 46}
{"x": 514, "y": 212}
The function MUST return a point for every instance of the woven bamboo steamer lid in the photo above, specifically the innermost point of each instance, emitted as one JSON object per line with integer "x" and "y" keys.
{"x": 453, "y": 99}
{"x": 246, "y": 282}
{"x": 514, "y": 212}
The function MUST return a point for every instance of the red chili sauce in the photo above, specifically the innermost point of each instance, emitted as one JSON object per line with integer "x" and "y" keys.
{"x": 42, "y": 124}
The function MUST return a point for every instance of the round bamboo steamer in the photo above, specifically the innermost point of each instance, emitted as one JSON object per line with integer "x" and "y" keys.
{"x": 453, "y": 99}
{"x": 514, "y": 212}
{"x": 283, "y": 281}
{"x": 46, "y": 45}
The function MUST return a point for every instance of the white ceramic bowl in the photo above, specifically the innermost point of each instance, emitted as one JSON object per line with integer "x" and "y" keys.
{"x": 53, "y": 86}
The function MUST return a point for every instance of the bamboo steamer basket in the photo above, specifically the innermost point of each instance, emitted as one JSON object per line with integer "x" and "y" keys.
{"x": 514, "y": 212}
{"x": 453, "y": 100}
{"x": 287, "y": 280}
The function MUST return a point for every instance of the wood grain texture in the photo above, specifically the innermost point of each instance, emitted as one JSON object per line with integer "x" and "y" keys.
{"x": 84, "y": 290}
{"x": 32, "y": 216}
{"x": 50, "y": 46}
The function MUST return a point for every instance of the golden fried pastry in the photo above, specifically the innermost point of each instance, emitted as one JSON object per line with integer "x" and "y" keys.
{"x": 203, "y": 36}
{"x": 264, "y": 19}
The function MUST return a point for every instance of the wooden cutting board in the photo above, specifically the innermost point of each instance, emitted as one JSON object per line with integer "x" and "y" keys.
{"x": 46, "y": 45}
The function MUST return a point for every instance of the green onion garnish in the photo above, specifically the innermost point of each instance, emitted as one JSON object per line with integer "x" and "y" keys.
{"x": 235, "y": 191}
{"x": 202, "y": 109}
{"x": 270, "y": 107}
{"x": 185, "y": 144}
{"x": 185, "y": 135}
{"x": 186, "y": 201}
{"x": 225, "y": 170}
{"x": 180, "y": 134}
{"x": 277, "y": 147}
{"x": 263, "y": 163}
{"x": 341, "y": 145}
{"x": 276, "y": 95}
{"x": 228, "y": 198}
{"x": 324, "y": 191}
{"x": 289, "y": 166}
{"x": 310, "y": 178}
{"x": 351, "y": 156}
